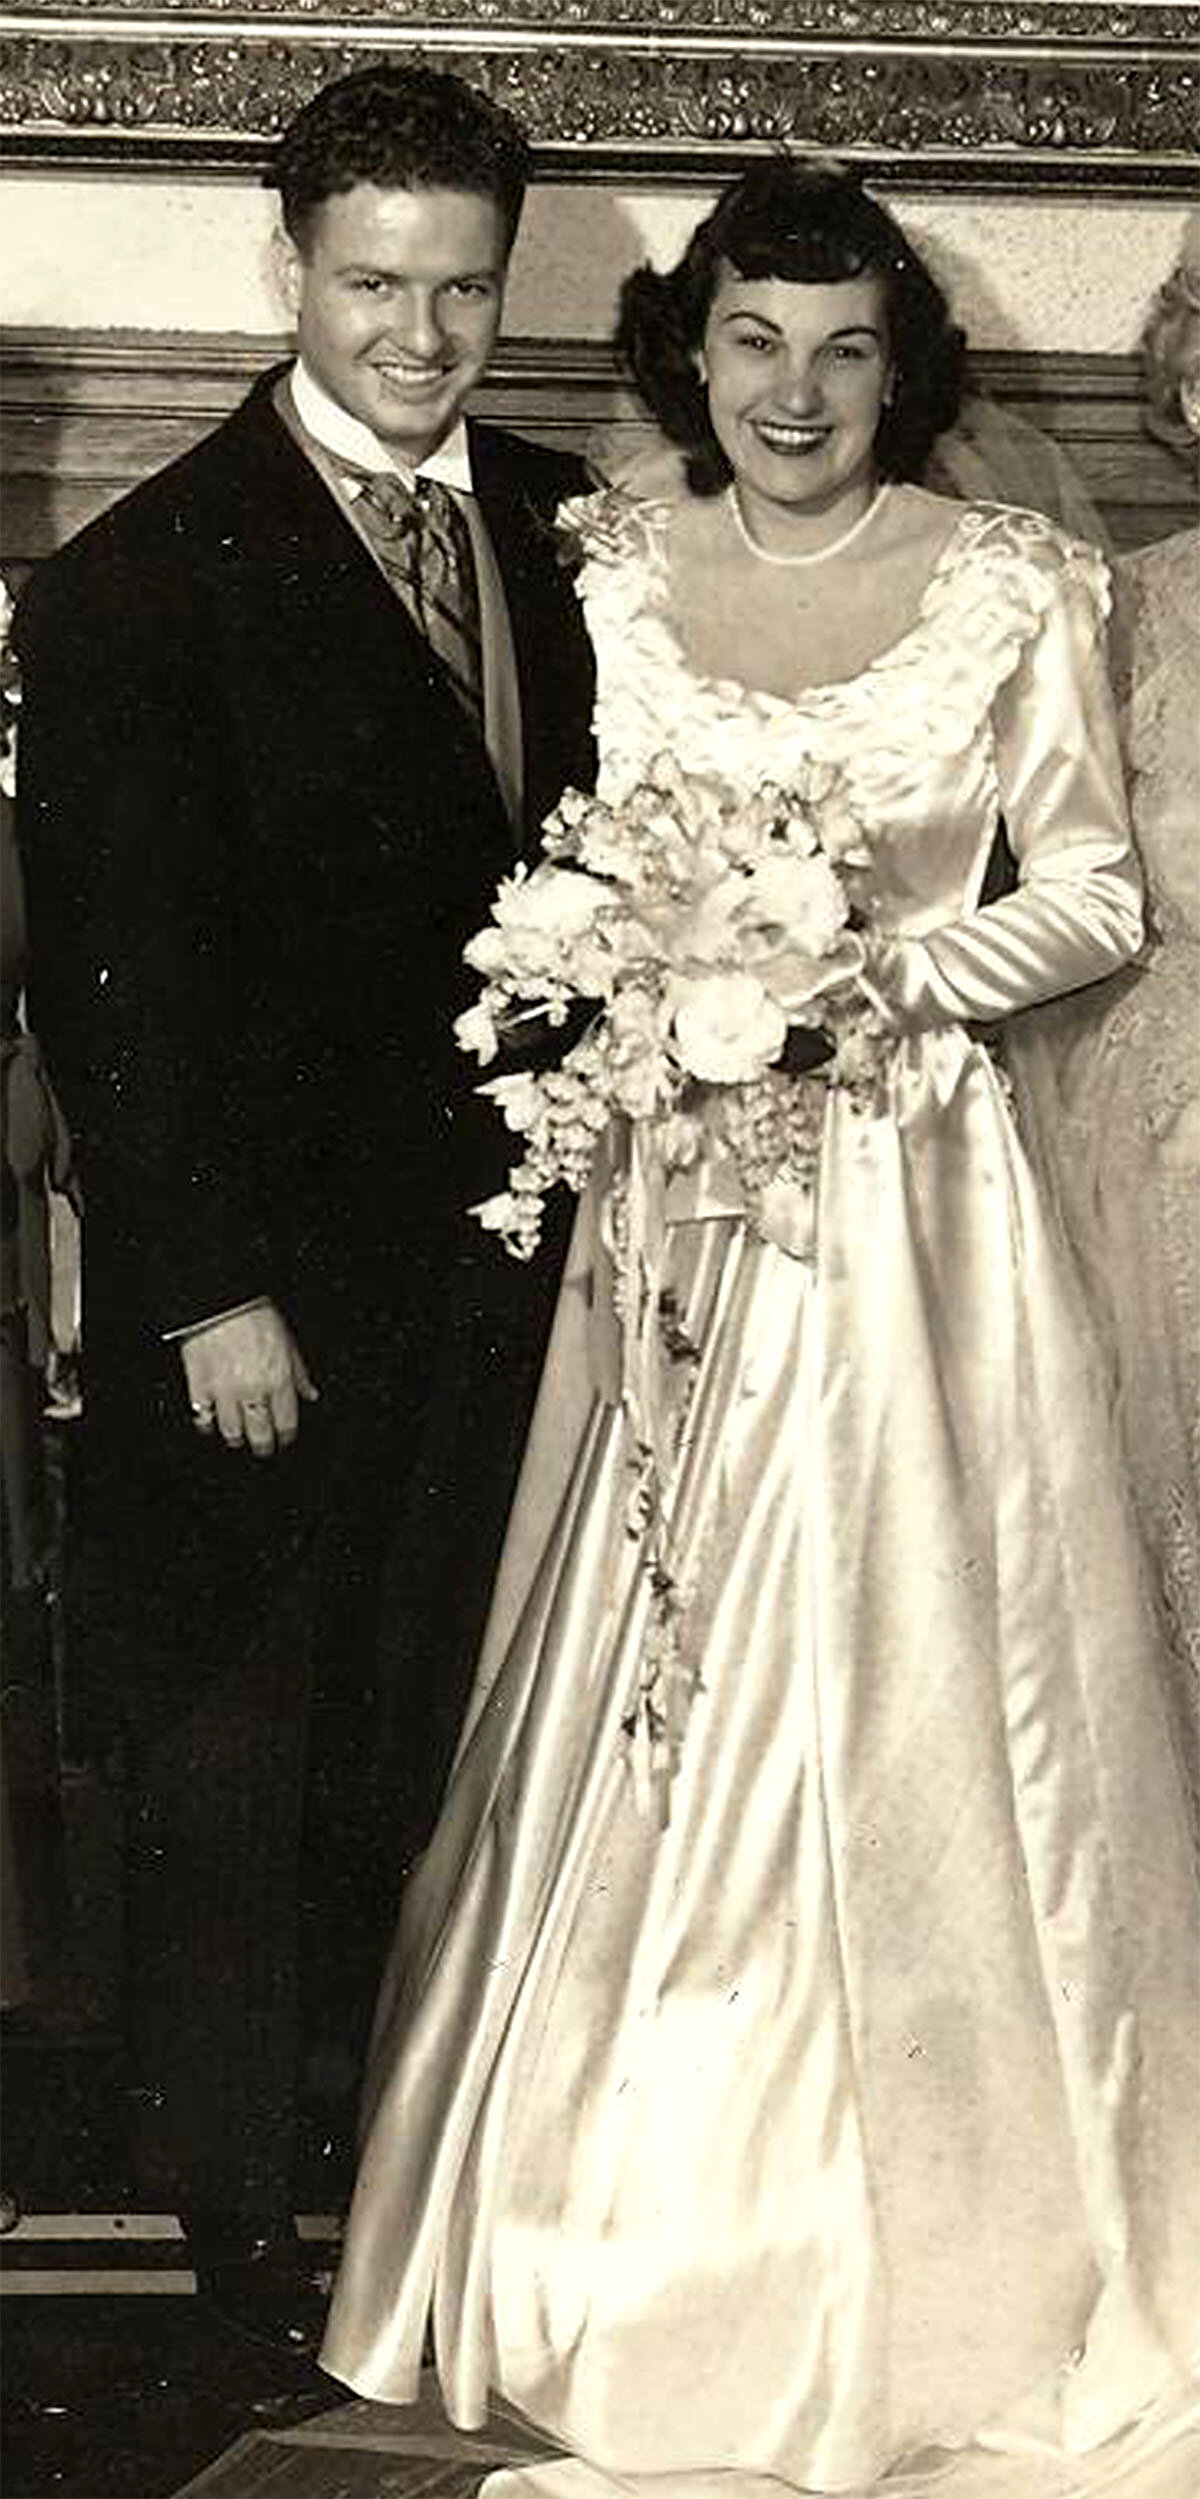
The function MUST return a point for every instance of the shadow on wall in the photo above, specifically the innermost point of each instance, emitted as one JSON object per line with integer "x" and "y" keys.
{"x": 574, "y": 249}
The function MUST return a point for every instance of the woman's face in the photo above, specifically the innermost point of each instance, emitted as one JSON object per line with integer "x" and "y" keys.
{"x": 797, "y": 377}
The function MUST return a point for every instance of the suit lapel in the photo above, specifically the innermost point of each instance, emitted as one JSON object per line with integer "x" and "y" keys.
{"x": 318, "y": 587}
{"x": 300, "y": 540}
{"x": 523, "y": 540}
{"x": 553, "y": 661}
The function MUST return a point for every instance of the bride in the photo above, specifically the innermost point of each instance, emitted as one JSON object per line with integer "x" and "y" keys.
{"x": 831, "y": 2099}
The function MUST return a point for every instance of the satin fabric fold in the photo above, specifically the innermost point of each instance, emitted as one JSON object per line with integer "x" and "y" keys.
{"x": 852, "y": 2112}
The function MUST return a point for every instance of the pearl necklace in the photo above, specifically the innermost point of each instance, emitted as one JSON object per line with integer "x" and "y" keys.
{"x": 822, "y": 555}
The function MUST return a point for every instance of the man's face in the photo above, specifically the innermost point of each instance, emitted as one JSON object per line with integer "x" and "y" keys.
{"x": 397, "y": 297}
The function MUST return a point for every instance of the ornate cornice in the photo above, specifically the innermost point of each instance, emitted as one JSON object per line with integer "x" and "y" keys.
{"x": 1048, "y": 23}
{"x": 1063, "y": 94}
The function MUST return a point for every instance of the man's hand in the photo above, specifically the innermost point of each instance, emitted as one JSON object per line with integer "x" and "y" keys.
{"x": 245, "y": 1378}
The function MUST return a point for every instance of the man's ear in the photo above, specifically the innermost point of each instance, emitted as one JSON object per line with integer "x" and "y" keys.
{"x": 288, "y": 264}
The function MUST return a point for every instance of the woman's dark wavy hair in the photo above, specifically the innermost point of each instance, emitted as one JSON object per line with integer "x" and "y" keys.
{"x": 404, "y": 128}
{"x": 815, "y": 226}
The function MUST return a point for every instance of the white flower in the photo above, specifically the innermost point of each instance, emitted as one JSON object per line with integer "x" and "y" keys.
{"x": 573, "y": 809}
{"x": 842, "y": 832}
{"x": 602, "y": 841}
{"x": 636, "y": 1018}
{"x": 798, "y": 981}
{"x": 639, "y": 1084}
{"x": 498, "y": 1214}
{"x": 843, "y": 835}
{"x": 743, "y": 834}
{"x": 727, "y": 1029}
{"x": 593, "y": 964}
{"x": 542, "y": 940}
{"x": 486, "y": 952}
{"x": 865, "y": 1047}
{"x": 641, "y": 1074}
{"x": 710, "y": 929}
{"x": 768, "y": 818}
{"x": 796, "y": 830}
{"x": 680, "y": 1136}
{"x": 475, "y": 1031}
{"x": 553, "y": 902}
{"x": 517, "y": 1219}
{"x": 519, "y": 1098}
{"x": 802, "y": 898}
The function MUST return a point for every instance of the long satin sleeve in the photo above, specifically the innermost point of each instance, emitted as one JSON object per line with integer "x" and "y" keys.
{"x": 1077, "y": 912}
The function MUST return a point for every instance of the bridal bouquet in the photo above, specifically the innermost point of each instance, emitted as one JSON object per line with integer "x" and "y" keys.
{"x": 705, "y": 940}
{"x": 710, "y": 936}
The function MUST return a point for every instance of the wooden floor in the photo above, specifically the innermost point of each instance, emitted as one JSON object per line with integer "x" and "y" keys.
{"x": 119, "y": 2383}
{"x": 138, "y": 2392}
{"x": 112, "y": 2396}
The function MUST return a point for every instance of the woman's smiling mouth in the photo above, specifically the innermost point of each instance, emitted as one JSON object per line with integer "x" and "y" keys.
{"x": 788, "y": 438}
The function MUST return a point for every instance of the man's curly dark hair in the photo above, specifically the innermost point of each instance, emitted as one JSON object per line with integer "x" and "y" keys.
{"x": 817, "y": 226}
{"x": 404, "y": 128}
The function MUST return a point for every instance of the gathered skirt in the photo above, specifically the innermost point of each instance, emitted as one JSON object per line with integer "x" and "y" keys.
{"x": 833, "y": 2097}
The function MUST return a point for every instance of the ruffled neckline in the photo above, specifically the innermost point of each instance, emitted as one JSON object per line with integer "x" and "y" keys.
{"x": 894, "y": 653}
{"x": 989, "y": 586}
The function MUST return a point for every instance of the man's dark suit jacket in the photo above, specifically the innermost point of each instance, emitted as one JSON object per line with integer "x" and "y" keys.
{"x": 258, "y": 829}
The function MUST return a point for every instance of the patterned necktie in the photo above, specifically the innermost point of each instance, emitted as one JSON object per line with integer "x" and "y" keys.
{"x": 424, "y": 545}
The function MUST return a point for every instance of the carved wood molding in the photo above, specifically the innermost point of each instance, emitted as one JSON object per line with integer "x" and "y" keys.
{"x": 1019, "y": 93}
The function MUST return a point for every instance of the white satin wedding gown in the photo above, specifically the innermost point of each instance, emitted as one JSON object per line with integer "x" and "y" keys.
{"x": 849, "y": 2107}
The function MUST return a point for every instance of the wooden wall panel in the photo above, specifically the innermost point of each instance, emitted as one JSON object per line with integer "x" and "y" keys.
{"x": 84, "y": 416}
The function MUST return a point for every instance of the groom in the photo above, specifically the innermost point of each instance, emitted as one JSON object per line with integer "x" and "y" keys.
{"x": 290, "y": 710}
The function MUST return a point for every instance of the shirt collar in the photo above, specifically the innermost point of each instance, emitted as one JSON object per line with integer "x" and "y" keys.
{"x": 349, "y": 439}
